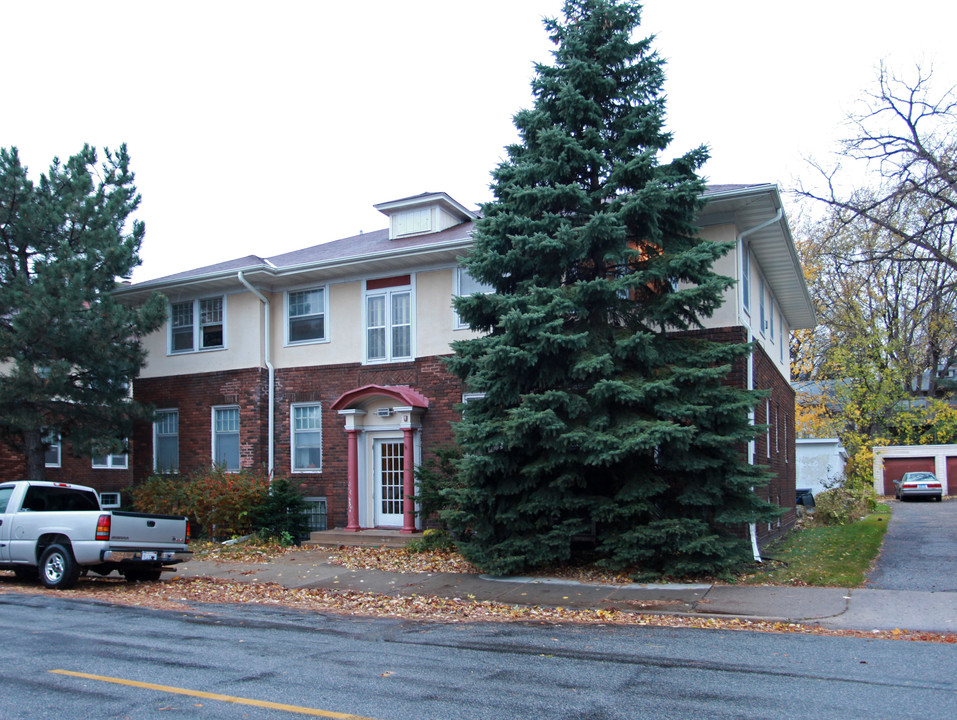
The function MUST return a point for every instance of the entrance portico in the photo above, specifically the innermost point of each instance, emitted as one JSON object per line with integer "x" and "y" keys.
{"x": 383, "y": 426}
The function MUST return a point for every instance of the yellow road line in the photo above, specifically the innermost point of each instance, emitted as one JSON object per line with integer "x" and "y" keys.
{"x": 215, "y": 696}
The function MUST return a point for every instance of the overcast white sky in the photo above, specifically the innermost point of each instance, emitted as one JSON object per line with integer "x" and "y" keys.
{"x": 262, "y": 127}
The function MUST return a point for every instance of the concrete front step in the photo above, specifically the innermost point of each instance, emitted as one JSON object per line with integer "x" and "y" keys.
{"x": 363, "y": 538}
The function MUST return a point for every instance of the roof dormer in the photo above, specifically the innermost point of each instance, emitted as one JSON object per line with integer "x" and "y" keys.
{"x": 423, "y": 214}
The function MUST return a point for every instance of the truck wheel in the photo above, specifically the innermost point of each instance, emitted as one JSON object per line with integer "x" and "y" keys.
{"x": 58, "y": 569}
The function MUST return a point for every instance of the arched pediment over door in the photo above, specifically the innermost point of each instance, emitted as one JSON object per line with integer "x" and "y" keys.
{"x": 382, "y": 423}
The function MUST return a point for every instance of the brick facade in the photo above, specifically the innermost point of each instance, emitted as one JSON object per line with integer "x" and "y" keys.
{"x": 194, "y": 396}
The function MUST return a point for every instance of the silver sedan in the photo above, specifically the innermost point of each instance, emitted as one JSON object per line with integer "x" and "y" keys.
{"x": 918, "y": 484}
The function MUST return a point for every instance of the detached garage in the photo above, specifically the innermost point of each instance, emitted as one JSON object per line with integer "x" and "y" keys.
{"x": 891, "y": 462}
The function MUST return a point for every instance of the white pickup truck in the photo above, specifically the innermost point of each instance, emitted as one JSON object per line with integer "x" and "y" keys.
{"x": 57, "y": 531}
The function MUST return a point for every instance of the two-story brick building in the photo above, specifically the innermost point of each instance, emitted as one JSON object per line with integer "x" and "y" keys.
{"x": 325, "y": 364}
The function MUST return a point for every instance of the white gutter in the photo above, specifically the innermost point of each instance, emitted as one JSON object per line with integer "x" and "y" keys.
{"x": 752, "y": 527}
{"x": 267, "y": 352}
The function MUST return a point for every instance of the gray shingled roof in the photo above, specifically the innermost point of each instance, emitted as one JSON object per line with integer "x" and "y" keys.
{"x": 375, "y": 254}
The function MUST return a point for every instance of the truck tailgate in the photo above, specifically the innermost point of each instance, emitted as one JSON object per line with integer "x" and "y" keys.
{"x": 145, "y": 530}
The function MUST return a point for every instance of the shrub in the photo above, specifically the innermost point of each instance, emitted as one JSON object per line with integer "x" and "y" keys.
{"x": 222, "y": 500}
{"x": 433, "y": 539}
{"x": 842, "y": 505}
{"x": 216, "y": 502}
{"x": 162, "y": 494}
{"x": 281, "y": 514}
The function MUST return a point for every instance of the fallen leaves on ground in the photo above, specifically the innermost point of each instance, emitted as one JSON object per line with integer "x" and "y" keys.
{"x": 240, "y": 552}
{"x": 447, "y": 561}
{"x": 180, "y": 594}
{"x": 401, "y": 560}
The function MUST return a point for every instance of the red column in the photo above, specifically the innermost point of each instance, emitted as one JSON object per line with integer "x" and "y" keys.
{"x": 408, "y": 482}
{"x": 353, "y": 481}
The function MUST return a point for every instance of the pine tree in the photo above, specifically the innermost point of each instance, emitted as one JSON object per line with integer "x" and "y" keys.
{"x": 603, "y": 412}
{"x": 69, "y": 349}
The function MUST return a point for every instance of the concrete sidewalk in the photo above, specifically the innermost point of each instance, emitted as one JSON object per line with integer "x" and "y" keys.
{"x": 838, "y": 608}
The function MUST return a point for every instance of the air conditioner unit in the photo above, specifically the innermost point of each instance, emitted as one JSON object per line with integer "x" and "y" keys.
{"x": 385, "y": 412}
{"x": 109, "y": 500}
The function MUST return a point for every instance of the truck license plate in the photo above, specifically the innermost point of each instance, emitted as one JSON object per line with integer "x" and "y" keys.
{"x": 149, "y": 555}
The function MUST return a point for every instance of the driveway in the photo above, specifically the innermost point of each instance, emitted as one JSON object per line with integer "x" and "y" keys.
{"x": 920, "y": 548}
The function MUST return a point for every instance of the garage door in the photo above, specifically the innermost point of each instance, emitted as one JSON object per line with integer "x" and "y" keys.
{"x": 952, "y": 476}
{"x": 894, "y": 468}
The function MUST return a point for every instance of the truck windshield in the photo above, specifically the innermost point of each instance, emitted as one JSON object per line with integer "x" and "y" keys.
{"x": 42, "y": 498}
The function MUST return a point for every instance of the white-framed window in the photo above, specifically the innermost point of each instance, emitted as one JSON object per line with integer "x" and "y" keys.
{"x": 226, "y": 437}
{"x": 113, "y": 461}
{"x": 746, "y": 276}
{"x": 306, "y": 312}
{"x": 166, "y": 441}
{"x": 762, "y": 311}
{"x": 465, "y": 284}
{"x": 771, "y": 316}
{"x": 767, "y": 420}
{"x": 784, "y": 339}
{"x": 306, "y": 437}
{"x": 197, "y": 325}
{"x": 52, "y": 456}
{"x": 388, "y": 322}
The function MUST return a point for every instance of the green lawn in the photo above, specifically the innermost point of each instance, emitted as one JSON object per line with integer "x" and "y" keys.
{"x": 837, "y": 556}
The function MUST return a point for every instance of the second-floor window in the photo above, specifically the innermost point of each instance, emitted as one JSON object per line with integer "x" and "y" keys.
{"x": 196, "y": 325}
{"x": 465, "y": 284}
{"x": 166, "y": 441}
{"x": 746, "y": 276}
{"x": 306, "y": 311}
{"x": 388, "y": 320}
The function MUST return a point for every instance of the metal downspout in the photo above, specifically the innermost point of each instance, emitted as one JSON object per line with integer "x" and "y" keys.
{"x": 752, "y": 527}
{"x": 267, "y": 352}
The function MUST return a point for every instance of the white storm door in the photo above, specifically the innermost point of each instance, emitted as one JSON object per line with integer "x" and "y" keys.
{"x": 388, "y": 466}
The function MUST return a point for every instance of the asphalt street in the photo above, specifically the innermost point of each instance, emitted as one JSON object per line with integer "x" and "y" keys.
{"x": 75, "y": 660}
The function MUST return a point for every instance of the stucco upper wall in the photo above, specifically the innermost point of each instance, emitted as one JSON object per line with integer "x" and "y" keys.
{"x": 242, "y": 343}
{"x": 727, "y": 314}
{"x": 734, "y": 311}
{"x": 434, "y": 321}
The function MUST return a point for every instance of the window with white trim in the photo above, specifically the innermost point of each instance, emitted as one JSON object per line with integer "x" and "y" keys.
{"x": 112, "y": 461}
{"x": 306, "y": 437}
{"x": 226, "y": 438}
{"x": 465, "y": 284}
{"x": 388, "y": 324}
{"x": 53, "y": 454}
{"x": 784, "y": 339}
{"x": 197, "y": 324}
{"x": 746, "y": 276}
{"x": 306, "y": 315}
{"x": 771, "y": 315}
{"x": 767, "y": 421}
{"x": 762, "y": 315}
{"x": 166, "y": 441}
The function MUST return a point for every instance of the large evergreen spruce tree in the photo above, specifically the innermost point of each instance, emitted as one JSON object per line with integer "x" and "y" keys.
{"x": 602, "y": 411}
{"x": 69, "y": 350}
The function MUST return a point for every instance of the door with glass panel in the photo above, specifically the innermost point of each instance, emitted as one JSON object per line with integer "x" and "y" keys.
{"x": 388, "y": 466}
